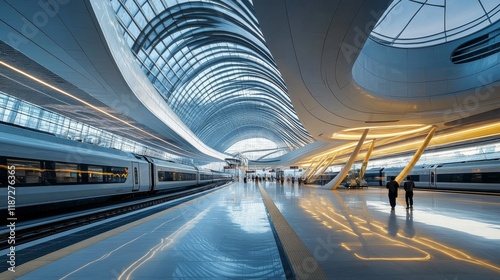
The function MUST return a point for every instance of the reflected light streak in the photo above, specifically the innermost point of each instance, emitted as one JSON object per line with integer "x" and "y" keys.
{"x": 101, "y": 258}
{"x": 339, "y": 220}
{"x": 164, "y": 243}
{"x": 245, "y": 216}
{"x": 377, "y": 229}
{"x": 459, "y": 255}
{"x": 118, "y": 248}
{"x": 485, "y": 230}
{"x": 437, "y": 246}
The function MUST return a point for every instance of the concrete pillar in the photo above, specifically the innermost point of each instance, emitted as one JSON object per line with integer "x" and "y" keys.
{"x": 313, "y": 171}
{"x": 307, "y": 171}
{"x": 416, "y": 156}
{"x": 365, "y": 161}
{"x": 335, "y": 182}
{"x": 325, "y": 166}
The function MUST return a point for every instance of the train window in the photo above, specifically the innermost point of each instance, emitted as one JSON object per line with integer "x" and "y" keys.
{"x": 175, "y": 176}
{"x": 28, "y": 172}
{"x": 164, "y": 176}
{"x": 67, "y": 173}
{"x": 205, "y": 177}
{"x": 31, "y": 172}
{"x": 491, "y": 177}
{"x": 476, "y": 177}
{"x": 117, "y": 174}
{"x": 487, "y": 177}
{"x": 96, "y": 174}
{"x": 49, "y": 176}
{"x": 136, "y": 176}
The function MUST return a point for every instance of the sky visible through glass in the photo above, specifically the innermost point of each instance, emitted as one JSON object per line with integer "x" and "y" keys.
{"x": 412, "y": 23}
{"x": 256, "y": 148}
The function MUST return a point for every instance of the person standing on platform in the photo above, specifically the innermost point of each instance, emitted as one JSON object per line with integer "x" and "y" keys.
{"x": 408, "y": 186}
{"x": 393, "y": 187}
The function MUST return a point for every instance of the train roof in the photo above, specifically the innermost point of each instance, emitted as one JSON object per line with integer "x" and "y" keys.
{"x": 24, "y": 143}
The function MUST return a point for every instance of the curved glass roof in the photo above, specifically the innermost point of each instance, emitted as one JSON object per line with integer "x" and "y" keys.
{"x": 419, "y": 23}
{"x": 209, "y": 61}
{"x": 256, "y": 149}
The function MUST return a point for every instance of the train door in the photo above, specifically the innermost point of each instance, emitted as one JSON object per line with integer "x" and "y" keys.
{"x": 432, "y": 178}
{"x": 135, "y": 176}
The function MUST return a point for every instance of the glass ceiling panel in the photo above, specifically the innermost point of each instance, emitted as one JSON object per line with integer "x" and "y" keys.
{"x": 428, "y": 21}
{"x": 223, "y": 81}
{"x": 458, "y": 15}
{"x": 256, "y": 148}
{"x": 419, "y": 23}
{"x": 393, "y": 25}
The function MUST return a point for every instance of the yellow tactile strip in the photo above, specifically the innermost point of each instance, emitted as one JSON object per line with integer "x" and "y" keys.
{"x": 303, "y": 263}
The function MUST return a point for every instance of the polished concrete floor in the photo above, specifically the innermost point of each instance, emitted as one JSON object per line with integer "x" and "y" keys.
{"x": 353, "y": 234}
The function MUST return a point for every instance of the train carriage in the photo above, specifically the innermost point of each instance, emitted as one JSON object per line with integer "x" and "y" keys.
{"x": 388, "y": 172}
{"x": 220, "y": 177}
{"x": 473, "y": 175}
{"x": 205, "y": 176}
{"x": 169, "y": 175}
{"x": 373, "y": 176}
{"x": 423, "y": 175}
{"x": 49, "y": 169}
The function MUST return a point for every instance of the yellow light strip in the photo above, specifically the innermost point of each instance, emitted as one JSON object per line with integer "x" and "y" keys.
{"x": 467, "y": 134}
{"x": 441, "y": 139}
{"x": 343, "y": 136}
{"x": 385, "y": 127}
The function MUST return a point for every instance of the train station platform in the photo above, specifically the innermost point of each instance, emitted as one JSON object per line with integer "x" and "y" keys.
{"x": 273, "y": 231}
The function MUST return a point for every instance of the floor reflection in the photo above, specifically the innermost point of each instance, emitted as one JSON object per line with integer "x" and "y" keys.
{"x": 369, "y": 238}
{"x": 409, "y": 230}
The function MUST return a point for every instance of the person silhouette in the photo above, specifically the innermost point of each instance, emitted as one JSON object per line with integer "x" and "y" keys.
{"x": 408, "y": 186}
{"x": 392, "y": 186}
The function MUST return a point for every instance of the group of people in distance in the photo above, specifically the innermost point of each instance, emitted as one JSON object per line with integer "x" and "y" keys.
{"x": 393, "y": 187}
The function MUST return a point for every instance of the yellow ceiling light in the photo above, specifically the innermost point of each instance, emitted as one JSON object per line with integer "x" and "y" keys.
{"x": 487, "y": 130}
{"x": 378, "y": 132}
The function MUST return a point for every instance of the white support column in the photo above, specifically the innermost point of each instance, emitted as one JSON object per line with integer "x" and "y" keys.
{"x": 325, "y": 166}
{"x": 306, "y": 172}
{"x": 315, "y": 168}
{"x": 335, "y": 182}
{"x": 416, "y": 156}
{"x": 365, "y": 161}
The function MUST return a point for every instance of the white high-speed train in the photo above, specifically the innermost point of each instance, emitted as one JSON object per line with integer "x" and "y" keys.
{"x": 480, "y": 175}
{"x": 41, "y": 169}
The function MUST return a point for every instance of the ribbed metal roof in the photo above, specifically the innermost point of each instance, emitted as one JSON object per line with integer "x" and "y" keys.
{"x": 210, "y": 62}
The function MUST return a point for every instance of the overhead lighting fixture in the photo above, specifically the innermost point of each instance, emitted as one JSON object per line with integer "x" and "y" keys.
{"x": 379, "y": 132}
